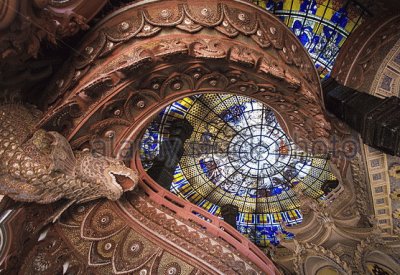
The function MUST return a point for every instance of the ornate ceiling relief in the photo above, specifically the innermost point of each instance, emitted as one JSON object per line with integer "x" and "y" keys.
{"x": 311, "y": 257}
{"x": 20, "y": 229}
{"x": 260, "y": 59}
{"x": 369, "y": 45}
{"x": 386, "y": 80}
{"x": 384, "y": 169}
{"x": 373, "y": 254}
{"x": 34, "y": 21}
{"x": 126, "y": 72}
{"x": 35, "y": 37}
{"x": 136, "y": 62}
{"x": 142, "y": 237}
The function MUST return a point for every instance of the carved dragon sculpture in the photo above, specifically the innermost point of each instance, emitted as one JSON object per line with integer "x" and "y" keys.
{"x": 40, "y": 166}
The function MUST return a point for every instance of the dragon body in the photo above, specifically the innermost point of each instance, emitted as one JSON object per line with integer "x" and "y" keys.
{"x": 40, "y": 166}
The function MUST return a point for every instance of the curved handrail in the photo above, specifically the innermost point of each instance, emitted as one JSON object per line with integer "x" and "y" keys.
{"x": 335, "y": 193}
{"x": 212, "y": 224}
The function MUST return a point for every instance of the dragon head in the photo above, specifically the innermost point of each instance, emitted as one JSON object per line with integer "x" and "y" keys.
{"x": 110, "y": 177}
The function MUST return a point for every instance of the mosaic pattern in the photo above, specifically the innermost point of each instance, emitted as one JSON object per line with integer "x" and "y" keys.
{"x": 322, "y": 26}
{"x": 238, "y": 154}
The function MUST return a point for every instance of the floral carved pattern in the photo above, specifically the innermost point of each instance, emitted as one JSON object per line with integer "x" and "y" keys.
{"x": 305, "y": 250}
{"x": 132, "y": 103}
{"x": 50, "y": 256}
{"x": 136, "y": 99}
{"x": 152, "y": 39}
{"x": 100, "y": 238}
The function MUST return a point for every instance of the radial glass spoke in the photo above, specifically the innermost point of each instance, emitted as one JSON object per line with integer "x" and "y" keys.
{"x": 238, "y": 154}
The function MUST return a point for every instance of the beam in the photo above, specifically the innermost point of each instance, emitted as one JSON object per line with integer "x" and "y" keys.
{"x": 377, "y": 120}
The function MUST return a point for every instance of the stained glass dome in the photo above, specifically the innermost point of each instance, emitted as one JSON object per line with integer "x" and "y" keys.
{"x": 322, "y": 26}
{"x": 239, "y": 155}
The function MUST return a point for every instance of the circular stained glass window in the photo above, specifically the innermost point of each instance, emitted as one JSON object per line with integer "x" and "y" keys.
{"x": 239, "y": 155}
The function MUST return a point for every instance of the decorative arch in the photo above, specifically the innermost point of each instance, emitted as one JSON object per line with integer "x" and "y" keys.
{"x": 316, "y": 265}
{"x": 145, "y": 56}
{"x": 235, "y": 46}
{"x": 382, "y": 260}
{"x": 148, "y": 54}
{"x": 311, "y": 258}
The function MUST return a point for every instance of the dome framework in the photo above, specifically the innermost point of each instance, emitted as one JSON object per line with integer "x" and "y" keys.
{"x": 239, "y": 155}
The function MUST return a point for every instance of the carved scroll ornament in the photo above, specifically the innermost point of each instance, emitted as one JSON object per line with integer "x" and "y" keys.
{"x": 249, "y": 51}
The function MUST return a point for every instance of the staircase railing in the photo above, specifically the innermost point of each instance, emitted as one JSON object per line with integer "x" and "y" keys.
{"x": 212, "y": 224}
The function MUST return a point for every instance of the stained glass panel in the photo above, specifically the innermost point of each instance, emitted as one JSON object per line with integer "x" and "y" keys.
{"x": 322, "y": 26}
{"x": 238, "y": 154}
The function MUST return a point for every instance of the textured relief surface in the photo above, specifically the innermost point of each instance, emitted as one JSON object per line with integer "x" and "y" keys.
{"x": 40, "y": 166}
{"x": 387, "y": 79}
{"x": 25, "y": 24}
{"x": 370, "y": 46}
{"x": 250, "y": 43}
{"x": 375, "y": 70}
{"x": 100, "y": 239}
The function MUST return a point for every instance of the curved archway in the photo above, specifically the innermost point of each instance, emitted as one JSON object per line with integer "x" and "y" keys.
{"x": 150, "y": 50}
{"x": 377, "y": 261}
{"x": 151, "y": 53}
{"x": 317, "y": 265}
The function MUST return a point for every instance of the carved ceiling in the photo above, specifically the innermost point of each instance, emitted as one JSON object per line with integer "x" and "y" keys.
{"x": 35, "y": 37}
{"x": 136, "y": 235}
{"x": 259, "y": 56}
{"x": 32, "y": 22}
{"x": 132, "y": 63}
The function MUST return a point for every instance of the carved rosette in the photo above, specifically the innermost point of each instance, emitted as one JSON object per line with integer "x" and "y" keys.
{"x": 19, "y": 232}
{"x": 96, "y": 238}
{"x": 52, "y": 256}
{"x": 147, "y": 55}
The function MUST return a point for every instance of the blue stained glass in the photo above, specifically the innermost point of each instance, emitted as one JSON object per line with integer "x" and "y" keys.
{"x": 181, "y": 106}
{"x": 245, "y": 158}
{"x": 276, "y": 191}
{"x": 233, "y": 114}
{"x": 308, "y": 6}
{"x": 307, "y": 18}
